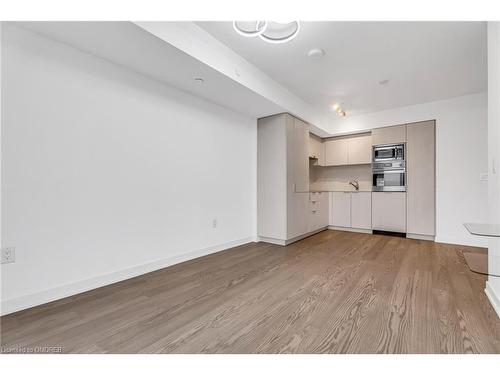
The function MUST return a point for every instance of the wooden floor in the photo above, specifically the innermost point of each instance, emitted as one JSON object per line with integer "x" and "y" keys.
{"x": 335, "y": 292}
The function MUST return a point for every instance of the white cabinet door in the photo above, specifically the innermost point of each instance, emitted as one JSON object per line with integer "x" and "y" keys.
{"x": 361, "y": 210}
{"x": 316, "y": 149}
{"x": 336, "y": 151}
{"x": 360, "y": 150}
{"x": 324, "y": 210}
{"x": 297, "y": 215}
{"x": 389, "y": 134}
{"x": 389, "y": 211}
{"x": 300, "y": 155}
{"x": 420, "y": 178}
{"x": 341, "y": 209}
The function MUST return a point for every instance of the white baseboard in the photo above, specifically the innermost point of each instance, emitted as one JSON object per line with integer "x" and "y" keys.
{"x": 274, "y": 241}
{"x": 282, "y": 242}
{"x": 494, "y": 299}
{"x": 39, "y": 298}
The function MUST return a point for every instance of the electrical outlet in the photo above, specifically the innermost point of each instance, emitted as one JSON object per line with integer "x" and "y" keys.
{"x": 8, "y": 255}
{"x": 214, "y": 223}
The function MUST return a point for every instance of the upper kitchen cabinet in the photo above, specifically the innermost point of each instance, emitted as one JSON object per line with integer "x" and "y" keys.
{"x": 336, "y": 151}
{"x": 316, "y": 149}
{"x": 348, "y": 150}
{"x": 420, "y": 149}
{"x": 360, "y": 149}
{"x": 389, "y": 135}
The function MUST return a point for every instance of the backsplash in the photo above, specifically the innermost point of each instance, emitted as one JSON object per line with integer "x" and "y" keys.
{"x": 337, "y": 178}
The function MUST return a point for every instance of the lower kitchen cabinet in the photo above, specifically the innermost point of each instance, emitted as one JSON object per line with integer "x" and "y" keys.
{"x": 318, "y": 211}
{"x": 351, "y": 210}
{"x": 340, "y": 215}
{"x": 361, "y": 210}
{"x": 389, "y": 211}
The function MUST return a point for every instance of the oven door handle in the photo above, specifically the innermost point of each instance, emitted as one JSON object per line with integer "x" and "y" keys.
{"x": 377, "y": 171}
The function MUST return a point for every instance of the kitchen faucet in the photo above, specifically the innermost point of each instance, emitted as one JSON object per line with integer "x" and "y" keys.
{"x": 354, "y": 183}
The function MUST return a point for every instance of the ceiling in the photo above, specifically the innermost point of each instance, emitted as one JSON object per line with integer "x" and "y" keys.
{"x": 132, "y": 47}
{"x": 423, "y": 61}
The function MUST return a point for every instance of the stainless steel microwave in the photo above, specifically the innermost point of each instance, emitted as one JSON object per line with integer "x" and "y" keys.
{"x": 393, "y": 152}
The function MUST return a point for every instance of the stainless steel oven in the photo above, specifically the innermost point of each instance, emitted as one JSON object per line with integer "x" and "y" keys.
{"x": 389, "y": 152}
{"x": 389, "y": 179}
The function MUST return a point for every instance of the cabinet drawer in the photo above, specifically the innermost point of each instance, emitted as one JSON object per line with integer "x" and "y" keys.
{"x": 315, "y": 197}
{"x": 314, "y": 205}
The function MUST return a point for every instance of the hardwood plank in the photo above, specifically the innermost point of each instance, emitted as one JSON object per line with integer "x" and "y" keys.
{"x": 335, "y": 292}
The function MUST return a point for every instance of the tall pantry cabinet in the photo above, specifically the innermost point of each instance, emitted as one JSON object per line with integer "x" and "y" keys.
{"x": 420, "y": 180}
{"x": 282, "y": 179}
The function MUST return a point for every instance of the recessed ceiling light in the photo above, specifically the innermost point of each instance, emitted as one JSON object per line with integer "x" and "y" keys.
{"x": 383, "y": 82}
{"x": 316, "y": 53}
{"x": 199, "y": 80}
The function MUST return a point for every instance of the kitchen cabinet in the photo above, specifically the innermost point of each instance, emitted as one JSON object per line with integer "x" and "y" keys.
{"x": 298, "y": 153}
{"x": 316, "y": 149}
{"x": 359, "y": 150}
{"x": 361, "y": 210}
{"x": 282, "y": 179}
{"x": 318, "y": 211}
{"x": 351, "y": 210}
{"x": 297, "y": 215}
{"x": 389, "y": 211}
{"x": 389, "y": 135}
{"x": 336, "y": 151}
{"x": 348, "y": 150}
{"x": 420, "y": 152}
{"x": 341, "y": 209}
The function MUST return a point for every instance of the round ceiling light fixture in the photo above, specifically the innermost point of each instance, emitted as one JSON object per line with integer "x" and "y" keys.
{"x": 271, "y": 32}
{"x": 249, "y": 29}
{"x": 280, "y": 32}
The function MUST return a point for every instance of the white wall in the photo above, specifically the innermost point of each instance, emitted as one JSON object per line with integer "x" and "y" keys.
{"x": 107, "y": 174}
{"x": 461, "y": 125}
{"x": 493, "y": 284}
